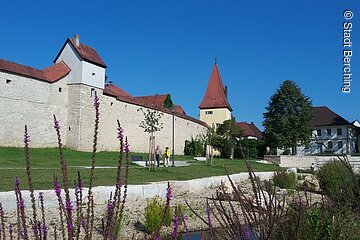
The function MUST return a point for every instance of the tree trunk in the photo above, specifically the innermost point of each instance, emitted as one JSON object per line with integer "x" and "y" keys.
{"x": 232, "y": 153}
{"x": 294, "y": 150}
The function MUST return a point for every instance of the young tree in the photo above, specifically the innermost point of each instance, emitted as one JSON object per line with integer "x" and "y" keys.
{"x": 151, "y": 124}
{"x": 287, "y": 117}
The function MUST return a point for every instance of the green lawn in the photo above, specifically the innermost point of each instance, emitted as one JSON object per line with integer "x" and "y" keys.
{"x": 45, "y": 163}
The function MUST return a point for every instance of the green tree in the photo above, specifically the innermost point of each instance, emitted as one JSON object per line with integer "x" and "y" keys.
{"x": 229, "y": 134}
{"x": 287, "y": 118}
{"x": 168, "y": 103}
{"x": 151, "y": 124}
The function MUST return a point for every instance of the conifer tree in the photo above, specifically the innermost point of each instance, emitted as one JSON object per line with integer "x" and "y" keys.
{"x": 287, "y": 118}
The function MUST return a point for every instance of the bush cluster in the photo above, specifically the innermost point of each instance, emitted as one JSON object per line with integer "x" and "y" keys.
{"x": 283, "y": 179}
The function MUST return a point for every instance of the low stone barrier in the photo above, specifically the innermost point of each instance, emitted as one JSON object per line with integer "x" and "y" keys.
{"x": 102, "y": 194}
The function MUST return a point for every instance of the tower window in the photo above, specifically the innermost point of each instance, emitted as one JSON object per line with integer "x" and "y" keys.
{"x": 93, "y": 74}
{"x": 208, "y": 112}
{"x": 92, "y": 92}
{"x": 60, "y": 89}
{"x": 8, "y": 81}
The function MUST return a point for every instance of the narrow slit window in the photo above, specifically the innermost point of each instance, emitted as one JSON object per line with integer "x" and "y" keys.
{"x": 60, "y": 89}
{"x": 8, "y": 80}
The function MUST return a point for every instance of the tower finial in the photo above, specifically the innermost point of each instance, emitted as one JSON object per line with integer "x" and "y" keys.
{"x": 215, "y": 60}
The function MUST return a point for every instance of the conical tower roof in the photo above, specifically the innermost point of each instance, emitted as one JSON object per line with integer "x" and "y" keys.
{"x": 215, "y": 95}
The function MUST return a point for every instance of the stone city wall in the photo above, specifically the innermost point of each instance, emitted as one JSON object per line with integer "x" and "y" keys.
{"x": 32, "y": 102}
{"x": 110, "y": 110}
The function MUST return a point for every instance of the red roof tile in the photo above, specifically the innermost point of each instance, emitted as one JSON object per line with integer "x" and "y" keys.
{"x": 250, "y": 130}
{"x": 323, "y": 116}
{"x": 179, "y": 109}
{"x": 115, "y": 91}
{"x": 50, "y": 74}
{"x": 121, "y": 95}
{"x": 87, "y": 53}
{"x": 154, "y": 100}
{"x": 215, "y": 96}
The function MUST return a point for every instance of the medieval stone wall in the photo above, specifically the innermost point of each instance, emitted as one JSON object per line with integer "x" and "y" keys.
{"x": 32, "y": 102}
{"x": 110, "y": 110}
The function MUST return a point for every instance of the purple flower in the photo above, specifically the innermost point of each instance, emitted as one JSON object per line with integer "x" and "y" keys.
{"x": 208, "y": 214}
{"x": 127, "y": 148}
{"x": 169, "y": 194}
{"x": 17, "y": 184}
{"x": 119, "y": 183}
{"x": 56, "y": 123}
{"x": 184, "y": 222}
{"x": 11, "y": 229}
{"x": 175, "y": 232}
{"x": 26, "y": 136}
{"x": 68, "y": 207}
{"x": 44, "y": 231}
{"x": 110, "y": 209}
{"x": 96, "y": 101}
{"x": 246, "y": 231}
{"x": 120, "y": 135}
{"x": 21, "y": 203}
{"x": 84, "y": 224}
{"x": 57, "y": 188}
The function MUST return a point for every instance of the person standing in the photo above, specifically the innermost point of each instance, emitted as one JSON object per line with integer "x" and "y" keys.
{"x": 157, "y": 155}
{"x": 167, "y": 157}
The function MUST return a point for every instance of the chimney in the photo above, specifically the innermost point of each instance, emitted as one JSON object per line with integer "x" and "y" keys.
{"x": 76, "y": 39}
{"x": 225, "y": 90}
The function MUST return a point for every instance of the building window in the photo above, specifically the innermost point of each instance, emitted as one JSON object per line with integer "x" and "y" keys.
{"x": 8, "y": 81}
{"x": 340, "y": 145}
{"x": 329, "y": 145}
{"x": 318, "y": 132}
{"x": 339, "y": 131}
{"x": 92, "y": 92}
{"x": 328, "y": 132}
{"x": 60, "y": 89}
{"x": 208, "y": 112}
{"x": 93, "y": 74}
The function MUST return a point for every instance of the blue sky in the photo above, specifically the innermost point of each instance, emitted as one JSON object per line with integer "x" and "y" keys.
{"x": 169, "y": 46}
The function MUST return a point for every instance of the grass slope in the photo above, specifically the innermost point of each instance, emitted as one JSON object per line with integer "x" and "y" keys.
{"x": 45, "y": 163}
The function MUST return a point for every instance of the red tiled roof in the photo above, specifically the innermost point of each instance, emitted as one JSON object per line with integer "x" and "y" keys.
{"x": 250, "y": 130}
{"x": 215, "y": 96}
{"x": 256, "y": 131}
{"x": 154, "y": 100}
{"x": 121, "y": 95}
{"x": 323, "y": 116}
{"x": 179, "y": 109}
{"x": 50, "y": 74}
{"x": 115, "y": 91}
{"x": 87, "y": 53}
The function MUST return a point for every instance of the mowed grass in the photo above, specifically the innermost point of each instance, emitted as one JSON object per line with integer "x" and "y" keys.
{"x": 45, "y": 164}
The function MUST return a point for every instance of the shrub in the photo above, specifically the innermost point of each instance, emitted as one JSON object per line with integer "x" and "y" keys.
{"x": 154, "y": 212}
{"x": 194, "y": 147}
{"x": 336, "y": 181}
{"x": 283, "y": 179}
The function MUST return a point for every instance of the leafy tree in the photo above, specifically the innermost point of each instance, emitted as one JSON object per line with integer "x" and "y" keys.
{"x": 151, "y": 124}
{"x": 168, "y": 103}
{"x": 229, "y": 134}
{"x": 211, "y": 140}
{"x": 287, "y": 118}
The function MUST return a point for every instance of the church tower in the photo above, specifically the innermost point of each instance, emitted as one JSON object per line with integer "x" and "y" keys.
{"x": 215, "y": 107}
